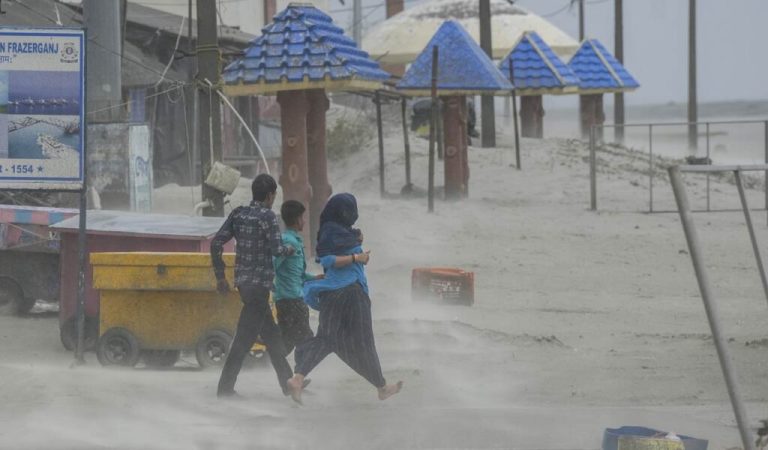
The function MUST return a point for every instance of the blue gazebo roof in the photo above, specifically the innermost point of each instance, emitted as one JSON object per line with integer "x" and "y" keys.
{"x": 537, "y": 69}
{"x": 463, "y": 67}
{"x": 599, "y": 71}
{"x": 302, "y": 49}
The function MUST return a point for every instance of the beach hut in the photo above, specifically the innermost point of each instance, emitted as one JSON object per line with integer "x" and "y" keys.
{"x": 536, "y": 70}
{"x": 463, "y": 69}
{"x": 599, "y": 73}
{"x": 299, "y": 57}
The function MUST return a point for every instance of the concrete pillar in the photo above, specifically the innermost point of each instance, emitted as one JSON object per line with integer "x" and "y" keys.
{"x": 532, "y": 116}
{"x": 455, "y": 159}
{"x": 317, "y": 159}
{"x": 591, "y": 109}
{"x": 294, "y": 178}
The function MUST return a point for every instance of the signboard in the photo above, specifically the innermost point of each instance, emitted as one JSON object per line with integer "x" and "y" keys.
{"x": 42, "y": 105}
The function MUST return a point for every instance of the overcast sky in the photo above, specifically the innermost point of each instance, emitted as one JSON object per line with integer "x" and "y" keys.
{"x": 732, "y": 38}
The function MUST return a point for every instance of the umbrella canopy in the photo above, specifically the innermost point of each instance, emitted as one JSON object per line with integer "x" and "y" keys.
{"x": 399, "y": 39}
{"x": 537, "y": 70}
{"x": 302, "y": 49}
{"x": 463, "y": 67}
{"x": 599, "y": 71}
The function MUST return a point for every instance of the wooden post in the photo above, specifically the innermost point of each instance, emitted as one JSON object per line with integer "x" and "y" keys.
{"x": 406, "y": 143}
{"x": 317, "y": 160}
{"x": 591, "y": 107}
{"x": 532, "y": 116}
{"x": 380, "y": 129}
{"x": 455, "y": 130}
{"x": 488, "y": 111}
{"x": 294, "y": 178}
{"x": 618, "y": 50}
{"x": 432, "y": 131}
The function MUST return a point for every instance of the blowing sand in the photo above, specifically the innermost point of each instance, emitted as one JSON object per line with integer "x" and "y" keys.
{"x": 582, "y": 321}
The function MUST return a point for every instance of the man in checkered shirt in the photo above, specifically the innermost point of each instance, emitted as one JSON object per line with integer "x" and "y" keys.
{"x": 258, "y": 238}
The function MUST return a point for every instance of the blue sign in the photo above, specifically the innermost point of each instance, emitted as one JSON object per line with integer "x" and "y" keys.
{"x": 42, "y": 108}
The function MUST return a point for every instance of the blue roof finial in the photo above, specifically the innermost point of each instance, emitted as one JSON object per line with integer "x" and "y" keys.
{"x": 537, "y": 69}
{"x": 302, "y": 49}
{"x": 463, "y": 67}
{"x": 599, "y": 71}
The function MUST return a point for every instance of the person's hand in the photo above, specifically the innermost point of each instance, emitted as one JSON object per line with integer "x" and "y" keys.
{"x": 363, "y": 258}
{"x": 290, "y": 251}
{"x": 320, "y": 277}
{"x": 222, "y": 286}
{"x": 360, "y": 237}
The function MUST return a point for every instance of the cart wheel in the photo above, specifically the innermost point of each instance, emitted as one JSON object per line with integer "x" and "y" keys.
{"x": 118, "y": 347}
{"x": 212, "y": 348}
{"x": 68, "y": 333}
{"x": 161, "y": 358}
{"x": 11, "y": 298}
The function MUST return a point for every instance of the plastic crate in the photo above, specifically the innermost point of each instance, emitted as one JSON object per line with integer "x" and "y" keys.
{"x": 447, "y": 285}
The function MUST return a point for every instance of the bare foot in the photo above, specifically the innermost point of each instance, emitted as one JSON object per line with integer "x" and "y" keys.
{"x": 389, "y": 390}
{"x": 295, "y": 386}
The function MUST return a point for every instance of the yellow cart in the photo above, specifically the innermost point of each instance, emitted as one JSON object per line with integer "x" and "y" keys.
{"x": 154, "y": 305}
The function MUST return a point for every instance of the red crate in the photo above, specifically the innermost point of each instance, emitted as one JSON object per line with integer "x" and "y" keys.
{"x": 448, "y": 285}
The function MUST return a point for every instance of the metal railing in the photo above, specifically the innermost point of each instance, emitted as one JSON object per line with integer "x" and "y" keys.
{"x": 593, "y": 143}
{"x": 713, "y": 315}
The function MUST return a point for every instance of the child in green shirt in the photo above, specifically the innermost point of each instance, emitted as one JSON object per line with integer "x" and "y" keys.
{"x": 290, "y": 275}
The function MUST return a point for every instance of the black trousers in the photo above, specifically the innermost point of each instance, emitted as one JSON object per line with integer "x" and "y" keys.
{"x": 293, "y": 319}
{"x": 346, "y": 328}
{"x": 255, "y": 321}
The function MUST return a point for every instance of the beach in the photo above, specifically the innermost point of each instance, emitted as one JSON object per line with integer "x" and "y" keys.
{"x": 582, "y": 321}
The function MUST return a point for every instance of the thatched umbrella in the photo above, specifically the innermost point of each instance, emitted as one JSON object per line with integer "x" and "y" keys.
{"x": 599, "y": 73}
{"x": 463, "y": 69}
{"x": 536, "y": 70}
{"x": 301, "y": 55}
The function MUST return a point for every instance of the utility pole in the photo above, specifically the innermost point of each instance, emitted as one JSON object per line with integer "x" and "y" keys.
{"x": 104, "y": 77}
{"x": 693, "y": 114}
{"x": 581, "y": 21}
{"x": 488, "y": 110}
{"x": 357, "y": 21}
{"x": 394, "y": 7}
{"x": 209, "y": 125}
{"x": 618, "y": 99}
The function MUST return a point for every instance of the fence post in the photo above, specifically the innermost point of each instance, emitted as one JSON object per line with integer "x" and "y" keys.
{"x": 765, "y": 126}
{"x": 708, "y": 162}
{"x": 650, "y": 162}
{"x": 710, "y": 306}
{"x": 592, "y": 170}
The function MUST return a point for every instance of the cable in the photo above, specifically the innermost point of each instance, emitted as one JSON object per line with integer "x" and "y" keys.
{"x": 91, "y": 41}
{"x": 247, "y": 128}
{"x": 173, "y": 53}
{"x": 120, "y": 105}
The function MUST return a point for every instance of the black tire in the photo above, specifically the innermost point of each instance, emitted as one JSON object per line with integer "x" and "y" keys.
{"x": 118, "y": 347}
{"x": 11, "y": 298}
{"x": 68, "y": 333}
{"x": 212, "y": 348}
{"x": 161, "y": 358}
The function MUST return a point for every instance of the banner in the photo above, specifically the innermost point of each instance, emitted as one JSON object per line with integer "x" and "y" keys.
{"x": 42, "y": 108}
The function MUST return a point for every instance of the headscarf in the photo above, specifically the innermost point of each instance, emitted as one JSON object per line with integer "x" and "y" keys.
{"x": 336, "y": 233}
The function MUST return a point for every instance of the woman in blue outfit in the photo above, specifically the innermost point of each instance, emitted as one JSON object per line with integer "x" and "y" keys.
{"x": 346, "y": 327}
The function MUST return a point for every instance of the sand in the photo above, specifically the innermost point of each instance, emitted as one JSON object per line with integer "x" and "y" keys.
{"x": 582, "y": 321}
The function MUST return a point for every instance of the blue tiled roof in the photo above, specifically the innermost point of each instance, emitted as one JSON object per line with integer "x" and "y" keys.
{"x": 302, "y": 44}
{"x": 462, "y": 64}
{"x": 537, "y": 67}
{"x": 597, "y": 69}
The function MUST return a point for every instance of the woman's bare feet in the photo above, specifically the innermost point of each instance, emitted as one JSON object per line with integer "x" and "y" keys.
{"x": 389, "y": 390}
{"x": 295, "y": 386}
